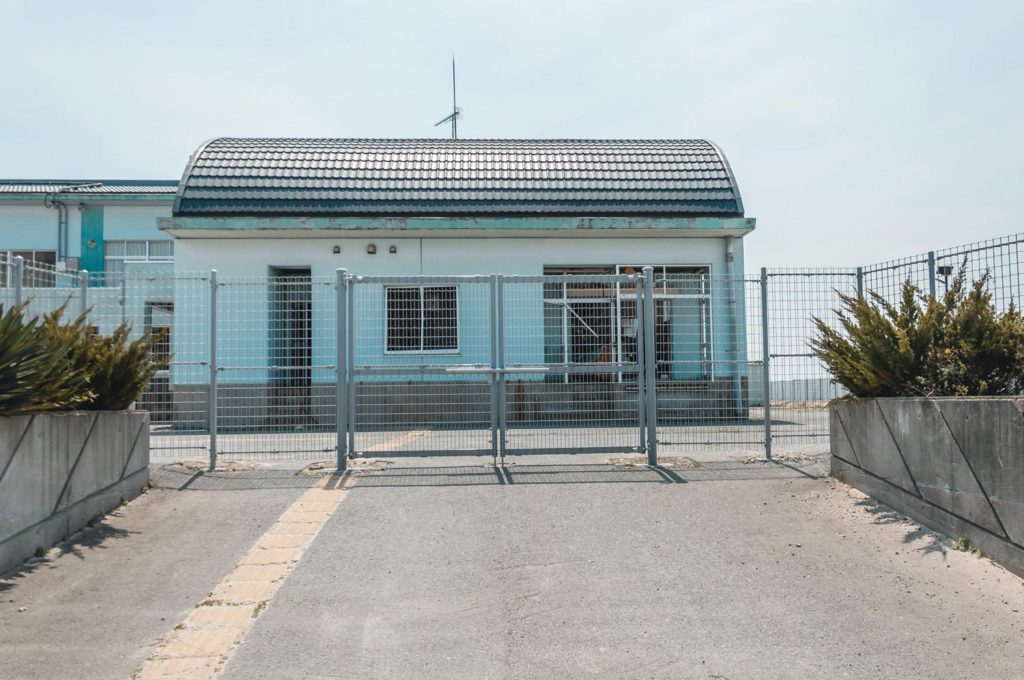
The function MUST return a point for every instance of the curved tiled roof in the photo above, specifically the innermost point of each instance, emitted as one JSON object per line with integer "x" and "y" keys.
{"x": 349, "y": 177}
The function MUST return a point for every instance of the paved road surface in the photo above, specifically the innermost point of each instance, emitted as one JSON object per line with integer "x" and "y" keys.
{"x": 597, "y": 572}
{"x": 725, "y": 571}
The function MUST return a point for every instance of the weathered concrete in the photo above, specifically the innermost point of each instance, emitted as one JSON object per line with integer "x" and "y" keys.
{"x": 956, "y": 465}
{"x": 589, "y": 571}
{"x": 94, "y": 605}
{"x": 59, "y": 470}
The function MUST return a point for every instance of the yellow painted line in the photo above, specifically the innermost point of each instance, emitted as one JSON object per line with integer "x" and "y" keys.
{"x": 406, "y": 438}
{"x": 200, "y": 646}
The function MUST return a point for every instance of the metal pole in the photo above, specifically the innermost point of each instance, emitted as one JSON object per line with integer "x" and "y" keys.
{"x": 350, "y": 350}
{"x": 766, "y": 374}
{"x": 641, "y": 375}
{"x": 341, "y": 369}
{"x": 649, "y": 368}
{"x": 83, "y": 290}
{"x": 124, "y": 297}
{"x": 737, "y": 372}
{"x": 931, "y": 273}
{"x": 19, "y": 278}
{"x": 860, "y": 282}
{"x": 213, "y": 370}
{"x": 494, "y": 366}
{"x": 499, "y": 307}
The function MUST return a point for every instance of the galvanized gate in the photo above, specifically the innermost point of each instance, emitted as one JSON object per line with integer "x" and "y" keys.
{"x": 491, "y": 365}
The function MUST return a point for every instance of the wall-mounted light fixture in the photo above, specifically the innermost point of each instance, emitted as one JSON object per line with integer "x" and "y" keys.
{"x": 336, "y": 250}
{"x": 371, "y": 249}
{"x": 393, "y": 249}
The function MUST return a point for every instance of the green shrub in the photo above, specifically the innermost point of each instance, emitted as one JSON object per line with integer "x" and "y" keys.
{"x": 118, "y": 368}
{"x": 956, "y": 345}
{"x": 35, "y": 375}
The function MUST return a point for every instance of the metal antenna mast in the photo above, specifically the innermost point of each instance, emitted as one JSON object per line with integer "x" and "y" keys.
{"x": 452, "y": 117}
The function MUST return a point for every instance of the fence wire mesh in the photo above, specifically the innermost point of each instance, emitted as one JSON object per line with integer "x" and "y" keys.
{"x": 483, "y": 365}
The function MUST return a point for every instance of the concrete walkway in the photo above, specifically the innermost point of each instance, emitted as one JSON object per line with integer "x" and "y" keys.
{"x": 452, "y": 570}
{"x": 92, "y": 608}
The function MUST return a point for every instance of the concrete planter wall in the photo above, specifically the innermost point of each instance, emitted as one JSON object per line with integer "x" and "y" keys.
{"x": 59, "y": 470}
{"x": 954, "y": 464}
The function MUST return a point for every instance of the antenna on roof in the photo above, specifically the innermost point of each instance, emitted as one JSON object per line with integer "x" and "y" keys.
{"x": 452, "y": 117}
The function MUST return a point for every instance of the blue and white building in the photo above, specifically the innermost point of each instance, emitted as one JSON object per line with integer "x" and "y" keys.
{"x": 285, "y": 214}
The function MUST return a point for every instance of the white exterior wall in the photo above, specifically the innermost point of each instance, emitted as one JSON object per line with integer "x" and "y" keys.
{"x": 134, "y": 222}
{"x": 24, "y": 226}
{"x": 441, "y": 256}
{"x": 244, "y": 303}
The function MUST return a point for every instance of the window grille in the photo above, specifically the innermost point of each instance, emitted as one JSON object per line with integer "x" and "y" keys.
{"x": 422, "y": 319}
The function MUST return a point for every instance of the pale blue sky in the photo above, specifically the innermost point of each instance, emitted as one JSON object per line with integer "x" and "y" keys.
{"x": 858, "y": 130}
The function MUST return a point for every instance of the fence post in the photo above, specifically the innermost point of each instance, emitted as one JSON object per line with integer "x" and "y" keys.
{"x": 931, "y": 273}
{"x": 502, "y": 378}
{"x": 495, "y": 332}
{"x": 860, "y": 282}
{"x": 641, "y": 364}
{"x": 83, "y": 290}
{"x": 649, "y": 368}
{"x": 766, "y": 374}
{"x": 124, "y": 297}
{"x": 341, "y": 369}
{"x": 19, "y": 278}
{"x": 350, "y": 362}
{"x": 213, "y": 370}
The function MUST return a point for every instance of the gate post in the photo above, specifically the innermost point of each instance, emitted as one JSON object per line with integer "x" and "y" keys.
{"x": 19, "y": 279}
{"x": 501, "y": 378}
{"x": 83, "y": 291}
{"x": 641, "y": 364}
{"x": 212, "y": 405}
{"x": 766, "y": 384}
{"x": 350, "y": 362}
{"x": 341, "y": 368}
{"x": 650, "y": 374}
{"x": 495, "y": 335}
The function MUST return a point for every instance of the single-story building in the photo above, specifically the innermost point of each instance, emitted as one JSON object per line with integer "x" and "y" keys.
{"x": 277, "y": 217}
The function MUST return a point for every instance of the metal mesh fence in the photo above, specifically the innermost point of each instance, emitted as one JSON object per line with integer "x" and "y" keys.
{"x": 289, "y": 365}
{"x": 569, "y": 359}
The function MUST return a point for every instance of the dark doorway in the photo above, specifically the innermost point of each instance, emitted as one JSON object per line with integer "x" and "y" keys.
{"x": 290, "y": 317}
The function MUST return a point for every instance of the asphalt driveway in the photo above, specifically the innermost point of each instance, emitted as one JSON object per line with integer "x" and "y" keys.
{"x": 726, "y": 571}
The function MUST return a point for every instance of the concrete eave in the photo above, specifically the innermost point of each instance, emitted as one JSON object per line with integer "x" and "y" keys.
{"x": 483, "y": 227}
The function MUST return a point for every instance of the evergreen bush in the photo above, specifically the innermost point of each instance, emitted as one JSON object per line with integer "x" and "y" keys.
{"x": 956, "y": 345}
{"x": 118, "y": 368}
{"x": 35, "y": 375}
{"x": 49, "y": 364}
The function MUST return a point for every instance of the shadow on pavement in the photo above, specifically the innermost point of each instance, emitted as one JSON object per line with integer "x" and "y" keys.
{"x": 180, "y": 479}
{"x": 921, "y": 538}
{"x": 511, "y": 475}
{"x": 96, "y": 537}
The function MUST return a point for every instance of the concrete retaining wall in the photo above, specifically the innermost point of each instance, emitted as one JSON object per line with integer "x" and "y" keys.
{"x": 954, "y": 464}
{"x": 59, "y": 470}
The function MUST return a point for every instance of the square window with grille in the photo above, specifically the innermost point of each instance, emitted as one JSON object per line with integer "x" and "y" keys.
{"x": 422, "y": 318}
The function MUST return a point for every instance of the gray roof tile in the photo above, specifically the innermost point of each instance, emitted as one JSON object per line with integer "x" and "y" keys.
{"x": 457, "y": 177}
{"x": 88, "y": 186}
